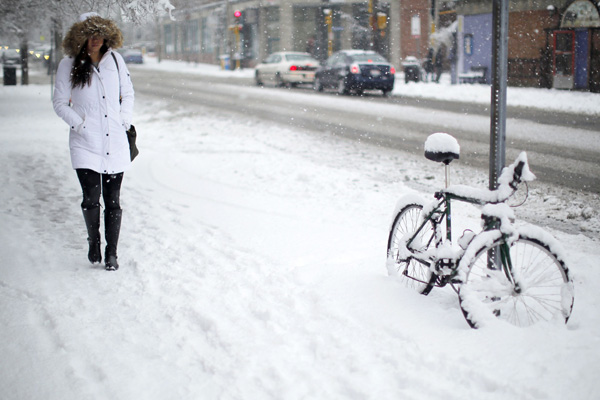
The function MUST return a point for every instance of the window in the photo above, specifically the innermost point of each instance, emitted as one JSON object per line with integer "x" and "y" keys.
{"x": 468, "y": 44}
{"x": 189, "y": 37}
{"x": 564, "y": 43}
{"x": 272, "y": 14}
{"x": 169, "y": 45}
{"x": 207, "y": 37}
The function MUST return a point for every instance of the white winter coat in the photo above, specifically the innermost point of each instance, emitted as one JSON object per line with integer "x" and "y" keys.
{"x": 98, "y": 122}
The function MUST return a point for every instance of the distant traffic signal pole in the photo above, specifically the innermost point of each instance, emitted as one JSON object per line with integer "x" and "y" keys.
{"x": 236, "y": 30}
{"x": 499, "y": 79}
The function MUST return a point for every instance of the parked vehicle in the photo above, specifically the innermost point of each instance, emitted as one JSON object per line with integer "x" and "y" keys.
{"x": 286, "y": 67}
{"x": 355, "y": 70}
{"x": 132, "y": 56}
{"x": 412, "y": 69}
{"x": 11, "y": 57}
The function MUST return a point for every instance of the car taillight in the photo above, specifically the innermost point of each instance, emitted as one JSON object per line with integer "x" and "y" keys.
{"x": 293, "y": 68}
{"x": 392, "y": 70}
{"x": 354, "y": 69}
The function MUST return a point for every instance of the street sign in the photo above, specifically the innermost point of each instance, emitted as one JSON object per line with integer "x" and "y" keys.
{"x": 415, "y": 26}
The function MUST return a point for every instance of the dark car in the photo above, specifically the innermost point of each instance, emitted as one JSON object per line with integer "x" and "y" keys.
{"x": 355, "y": 70}
{"x": 132, "y": 56}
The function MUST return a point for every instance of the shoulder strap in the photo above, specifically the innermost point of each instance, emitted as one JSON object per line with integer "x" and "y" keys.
{"x": 118, "y": 72}
{"x": 115, "y": 58}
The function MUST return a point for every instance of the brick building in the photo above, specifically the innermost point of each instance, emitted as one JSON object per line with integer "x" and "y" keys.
{"x": 551, "y": 43}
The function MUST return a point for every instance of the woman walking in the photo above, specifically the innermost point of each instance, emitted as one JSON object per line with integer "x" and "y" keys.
{"x": 93, "y": 94}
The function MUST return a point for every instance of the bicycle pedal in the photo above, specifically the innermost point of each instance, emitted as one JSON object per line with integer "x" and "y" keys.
{"x": 444, "y": 267}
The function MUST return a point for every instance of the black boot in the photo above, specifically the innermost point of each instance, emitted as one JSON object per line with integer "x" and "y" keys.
{"x": 112, "y": 227}
{"x": 92, "y": 222}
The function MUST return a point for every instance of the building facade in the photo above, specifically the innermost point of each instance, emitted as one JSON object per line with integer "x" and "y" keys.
{"x": 251, "y": 30}
{"x": 552, "y": 43}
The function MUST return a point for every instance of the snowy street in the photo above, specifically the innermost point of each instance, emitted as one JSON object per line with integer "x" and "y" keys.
{"x": 252, "y": 261}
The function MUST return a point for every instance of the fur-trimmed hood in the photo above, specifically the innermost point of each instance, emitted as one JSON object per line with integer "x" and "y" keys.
{"x": 81, "y": 31}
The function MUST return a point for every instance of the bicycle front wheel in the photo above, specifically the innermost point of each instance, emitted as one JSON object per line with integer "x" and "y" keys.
{"x": 413, "y": 273}
{"x": 538, "y": 289}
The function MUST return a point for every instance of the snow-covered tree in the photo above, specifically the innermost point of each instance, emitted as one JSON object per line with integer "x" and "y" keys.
{"x": 18, "y": 16}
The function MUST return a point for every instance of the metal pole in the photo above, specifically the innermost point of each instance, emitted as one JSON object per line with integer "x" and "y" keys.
{"x": 499, "y": 78}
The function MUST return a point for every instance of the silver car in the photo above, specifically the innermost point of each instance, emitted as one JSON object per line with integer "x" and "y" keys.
{"x": 286, "y": 68}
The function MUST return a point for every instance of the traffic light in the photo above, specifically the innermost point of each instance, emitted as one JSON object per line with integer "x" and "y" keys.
{"x": 382, "y": 20}
{"x": 328, "y": 16}
{"x": 237, "y": 14}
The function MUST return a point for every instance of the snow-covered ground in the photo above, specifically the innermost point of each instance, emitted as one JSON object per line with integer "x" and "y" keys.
{"x": 253, "y": 267}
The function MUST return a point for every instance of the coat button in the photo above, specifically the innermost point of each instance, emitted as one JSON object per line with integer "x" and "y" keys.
{"x": 105, "y": 116}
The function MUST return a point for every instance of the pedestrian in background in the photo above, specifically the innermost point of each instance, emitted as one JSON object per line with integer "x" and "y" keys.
{"x": 439, "y": 63}
{"x": 94, "y": 95}
{"x": 428, "y": 65}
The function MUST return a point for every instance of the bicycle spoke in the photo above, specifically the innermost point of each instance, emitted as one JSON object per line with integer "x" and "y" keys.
{"x": 411, "y": 271}
{"x": 538, "y": 294}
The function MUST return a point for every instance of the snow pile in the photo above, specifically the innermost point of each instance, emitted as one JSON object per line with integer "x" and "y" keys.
{"x": 441, "y": 143}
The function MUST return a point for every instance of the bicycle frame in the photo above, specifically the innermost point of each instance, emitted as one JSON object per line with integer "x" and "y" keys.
{"x": 443, "y": 212}
{"x": 440, "y": 213}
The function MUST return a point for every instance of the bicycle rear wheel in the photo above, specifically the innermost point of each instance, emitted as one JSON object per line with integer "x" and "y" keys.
{"x": 543, "y": 289}
{"x": 413, "y": 273}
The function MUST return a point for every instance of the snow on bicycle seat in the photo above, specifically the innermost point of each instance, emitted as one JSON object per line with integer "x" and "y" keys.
{"x": 441, "y": 147}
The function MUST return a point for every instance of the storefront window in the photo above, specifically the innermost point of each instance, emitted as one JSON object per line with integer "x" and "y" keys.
{"x": 189, "y": 35}
{"x": 272, "y": 18}
{"x": 563, "y": 53}
{"x": 207, "y": 37}
{"x": 581, "y": 14}
{"x": 169, "y": 46}
{"x": 468, "y": 44}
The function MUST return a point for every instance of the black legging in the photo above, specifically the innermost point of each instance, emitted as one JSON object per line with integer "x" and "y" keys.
{"x": 93, "y": 183}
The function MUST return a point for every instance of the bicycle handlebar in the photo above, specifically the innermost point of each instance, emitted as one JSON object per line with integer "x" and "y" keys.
{"x": 508, "y": 181}
{"x": 517, "y": 175}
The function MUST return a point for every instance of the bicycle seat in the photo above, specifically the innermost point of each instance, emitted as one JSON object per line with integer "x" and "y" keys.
{"x": 445, "y": 157}
{"x": 441, "y": 147}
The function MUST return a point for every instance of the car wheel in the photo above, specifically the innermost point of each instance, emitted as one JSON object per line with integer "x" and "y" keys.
{"x": 317, "y": 85}
{"x": 342, "y": 87}
{"x": 279, "y": 80}
{"x": 386, "y": 92}
{"x": 257, "y": 78}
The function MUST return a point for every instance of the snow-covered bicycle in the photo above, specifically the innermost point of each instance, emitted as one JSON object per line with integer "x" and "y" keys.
{"x": 517, "y": 274}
